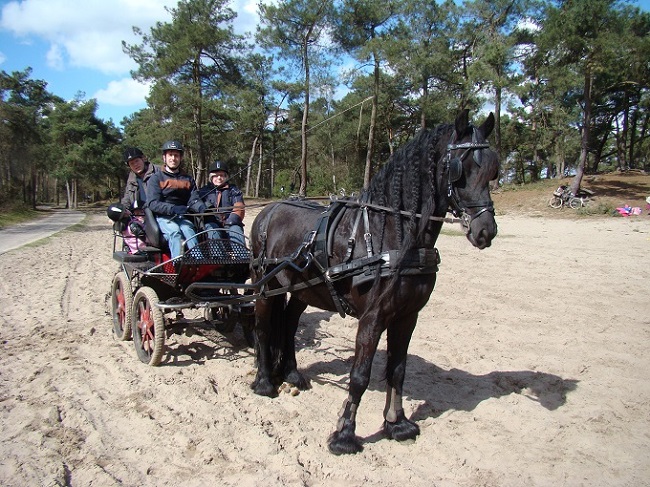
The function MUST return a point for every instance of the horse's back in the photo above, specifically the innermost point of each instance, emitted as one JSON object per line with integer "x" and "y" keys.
{"x": 283, "y": 225}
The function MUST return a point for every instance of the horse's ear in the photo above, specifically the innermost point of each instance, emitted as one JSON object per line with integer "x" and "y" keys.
{"x": 462, "y": 122}
{"x": 487, "y": 126}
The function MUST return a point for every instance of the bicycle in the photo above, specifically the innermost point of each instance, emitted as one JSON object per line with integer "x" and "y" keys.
{"x": 563, "y": 196}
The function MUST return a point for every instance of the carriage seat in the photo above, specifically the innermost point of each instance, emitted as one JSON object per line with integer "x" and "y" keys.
{"x": 151, "y": 229}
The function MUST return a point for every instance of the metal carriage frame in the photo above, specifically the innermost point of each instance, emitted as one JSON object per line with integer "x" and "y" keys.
{"x": 150, "y": 291}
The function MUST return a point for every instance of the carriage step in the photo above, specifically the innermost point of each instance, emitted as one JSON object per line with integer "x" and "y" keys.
{"x": 123, "y": 256}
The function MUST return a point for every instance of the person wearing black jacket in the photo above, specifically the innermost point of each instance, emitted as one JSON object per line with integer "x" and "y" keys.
{"x": 170, "y": 195}
{"x": 135, "y": 194}
{"x": 227, "y": 201}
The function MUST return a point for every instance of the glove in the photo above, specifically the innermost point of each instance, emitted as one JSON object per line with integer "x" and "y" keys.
{"x": 178, "y": 210}
{"x": 233, "y": 219}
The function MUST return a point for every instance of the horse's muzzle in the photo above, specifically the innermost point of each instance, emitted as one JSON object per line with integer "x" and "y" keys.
{"x": 482, "y": 231}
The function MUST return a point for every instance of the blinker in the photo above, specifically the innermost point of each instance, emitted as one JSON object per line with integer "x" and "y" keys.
{"x": 455, "y": 169}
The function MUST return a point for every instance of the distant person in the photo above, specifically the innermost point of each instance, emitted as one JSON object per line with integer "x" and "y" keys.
{"x": 227, "y": 200}
{"x": 171, "y": 194}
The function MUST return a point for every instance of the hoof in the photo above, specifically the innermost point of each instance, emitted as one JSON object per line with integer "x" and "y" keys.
{"x": 340, "y": 444}
{"x": 298, "y": 380}
{"x": 264, "y": 388}
{"x": 401, "y": 430}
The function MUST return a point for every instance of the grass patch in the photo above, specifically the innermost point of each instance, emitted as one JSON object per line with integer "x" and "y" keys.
{"x": 12, "y": 215}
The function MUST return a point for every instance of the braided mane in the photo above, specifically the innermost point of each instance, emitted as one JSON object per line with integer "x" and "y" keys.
{"x": 408, "y": 182}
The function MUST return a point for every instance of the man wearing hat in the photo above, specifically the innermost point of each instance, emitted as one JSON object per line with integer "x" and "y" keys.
{"x": 135, "y": 195}
{"x": 171, "y": 194}
{"x": 227, "y": 201}
{"x": 129, "y": 213}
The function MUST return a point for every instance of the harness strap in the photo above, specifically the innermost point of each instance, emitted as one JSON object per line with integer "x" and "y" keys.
{"x": 340, "y": 304}
{"x": 367, "y": 236}
{"x": 352, "y": 239}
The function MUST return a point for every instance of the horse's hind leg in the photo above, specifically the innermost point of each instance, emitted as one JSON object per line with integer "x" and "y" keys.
{"x": 396, "y": 426}
{"x": 290, "y": 373}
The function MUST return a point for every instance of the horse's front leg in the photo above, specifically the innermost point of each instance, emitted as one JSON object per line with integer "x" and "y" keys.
{"x": 344, "y": 439}
{"x": 262, "y": 385}
{"x": 396, "y": 426}
{"x": 290, "y": 373}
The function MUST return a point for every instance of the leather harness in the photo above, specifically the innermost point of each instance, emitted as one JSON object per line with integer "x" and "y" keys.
{"x": 316, "y": 250}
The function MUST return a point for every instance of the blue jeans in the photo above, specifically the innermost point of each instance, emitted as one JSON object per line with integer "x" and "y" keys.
{"x": 174, "y": 228}
{"x": 234, "y": 232}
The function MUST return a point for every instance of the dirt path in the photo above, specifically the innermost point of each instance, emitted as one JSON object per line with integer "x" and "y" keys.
{"x": 529, "y": 366}
{"x": 25, "y": 233}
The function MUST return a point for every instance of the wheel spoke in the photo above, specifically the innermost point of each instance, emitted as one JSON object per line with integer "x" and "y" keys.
{"x": 149, "y": 337}
{"x": 121, "y": 309}
{"x": 122, "y": 306}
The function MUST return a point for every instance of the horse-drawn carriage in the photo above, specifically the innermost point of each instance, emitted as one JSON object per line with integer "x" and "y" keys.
{"x": 373, "y": 258}
{"x": 150, "y": 291}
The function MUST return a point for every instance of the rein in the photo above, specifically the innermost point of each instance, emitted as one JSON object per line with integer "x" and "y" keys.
{"x": 388, "y": 209}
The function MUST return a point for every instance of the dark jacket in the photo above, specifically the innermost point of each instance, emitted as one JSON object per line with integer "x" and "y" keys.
{"x": 135, "y": 191}
{"x": 228, "y": 201}
{"x": 166, "y": 190}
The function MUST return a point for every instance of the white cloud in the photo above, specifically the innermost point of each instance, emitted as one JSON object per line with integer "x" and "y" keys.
{"x": 123, "y": 92}
{"x": 89, "y": 33}
{"x": 2, "y": 58}
{"x": 85, "y": 33}
{"x": 55, "y": 57}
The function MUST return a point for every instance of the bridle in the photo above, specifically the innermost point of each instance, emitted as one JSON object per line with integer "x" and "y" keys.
{"x": 454, "y": 168}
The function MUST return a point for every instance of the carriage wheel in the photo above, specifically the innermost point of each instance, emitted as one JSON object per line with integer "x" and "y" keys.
{"x": 122, "y": 304}
{"x": 148, "y": 326}
{"x": 575, "y": 203}
{"x": 555, "y": 202}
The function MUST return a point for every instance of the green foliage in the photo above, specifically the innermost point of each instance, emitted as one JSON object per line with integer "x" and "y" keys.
{"x": 550, "y": 70}
{"x": 12, "y": 213}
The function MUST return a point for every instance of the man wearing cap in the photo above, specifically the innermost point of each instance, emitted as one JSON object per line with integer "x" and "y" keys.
{"x": 171, "y": 194}
{"x": 228, "y": 202}
{"x": 135, "y": 194}
{"x": 128, "y": 215}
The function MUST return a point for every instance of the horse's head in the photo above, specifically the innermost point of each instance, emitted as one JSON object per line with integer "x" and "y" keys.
{"x": 470, "y": 165}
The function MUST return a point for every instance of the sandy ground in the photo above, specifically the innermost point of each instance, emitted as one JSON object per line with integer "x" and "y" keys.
{"x": 529, "y": 366}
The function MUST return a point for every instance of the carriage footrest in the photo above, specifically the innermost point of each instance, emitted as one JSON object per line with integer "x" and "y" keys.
{"x": 123, "y": 256}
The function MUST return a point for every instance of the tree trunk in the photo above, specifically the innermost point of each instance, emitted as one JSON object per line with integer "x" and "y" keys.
{"x": 586, "y": 130}
{"x": 357, "y": 142}
{"x": 367, "y": 174}
{"x": 494, "y": 185}
{"x": 34, "y": 188}
{"x": 68, "y": 201}
{"x": 425, "y": 98}
{"x": 197, "y": 112}
{"x": 624, "y": 135}
{"x": 259, "y": 174}
{"x": 303, "y": 129}
{"x": 250, "y": 166}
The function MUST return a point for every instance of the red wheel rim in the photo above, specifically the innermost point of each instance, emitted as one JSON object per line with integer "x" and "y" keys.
{"x": 120, "y": 305}
{"x": 146, "y": 327}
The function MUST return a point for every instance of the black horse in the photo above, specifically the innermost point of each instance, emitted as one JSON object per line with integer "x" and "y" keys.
{"x": 372, "y": 258}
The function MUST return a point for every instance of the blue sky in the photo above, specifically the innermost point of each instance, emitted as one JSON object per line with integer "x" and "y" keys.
{"x": 76, "y": 45}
